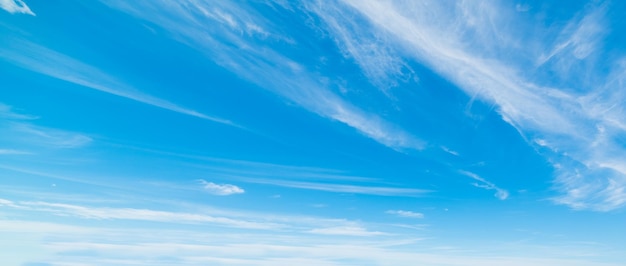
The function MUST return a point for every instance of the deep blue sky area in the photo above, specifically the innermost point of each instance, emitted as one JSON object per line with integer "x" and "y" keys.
{"x": 343, "y": 132}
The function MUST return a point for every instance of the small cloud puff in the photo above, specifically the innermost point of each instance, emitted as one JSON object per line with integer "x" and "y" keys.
{"x": 16, "y": 6}
{"x": 221, "y": 189}
{"x": 407, "y": 214}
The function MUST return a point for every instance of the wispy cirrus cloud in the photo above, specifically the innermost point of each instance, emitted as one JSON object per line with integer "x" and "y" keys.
{"x": 125, "y": 246}
{"x": 407, "y": 214}
{"x": 253, "y": 58}
{"x": 501, "y": 194}
{"x": 16, "y": 6}
{"x": 577, "y": 113}
{"x": 373, "y": 52}
{"x": 48, "y": 62}
{"x": 20, "y": 132}
{"x": 345, "y": 231}
{"x": 49, "y": 137}
{"x": 367, "y": 189}
{"x": 201, "y": 214}
{"x": 221, "y": 189}
{"x": 273, "y": 239}
{"x": 147, "y": 215}
{"x": 7, "y": 112}
{"x": 13, "y": 152}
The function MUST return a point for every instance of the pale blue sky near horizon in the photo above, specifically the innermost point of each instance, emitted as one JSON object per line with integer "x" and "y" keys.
{"x": 341, "y": 132}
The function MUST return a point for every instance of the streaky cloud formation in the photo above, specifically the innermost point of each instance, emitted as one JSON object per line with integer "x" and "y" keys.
{"x": 572, "y": 123}
{"x": 367, "y": 132}
{"x": 264, "y": 66}
{"x": 16, "y": 6}
{"x": 346, "y": 231}
{"x": 500, "y": 193}
{"x": 13, "y": 152}
{"x": 19, "y": 129}
{"x": 48, "y": 62}
{"x": 344, "y": 188}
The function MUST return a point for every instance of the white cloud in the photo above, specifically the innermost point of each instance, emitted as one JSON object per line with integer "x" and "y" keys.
{"x": 57, "y": 65}
{"x": 500, "y": 193}
{"x": 252, "y": 59}
{"x": 221, "y": 189}
{"x": 577, "y": 40}
{"x": 200, "y": 249}
{"x": 372, "y": 51}
{"x": 148, "y": 215}
{"x": 24, "y": 135}
{"x": 4, "y": 202}
{"x": 7, "y": 112}
{"x": 446, "y": 149}
{"x": 13, "y": 152}
{"x": 345, "y": 231}
{"x": 483, "y": 49}
{"x": 343, "y": 188}
{"x": 407, "y": 214}
{"x": 318, "y": 241}
{"x": 49, "y": 137}
{"x": 15, "y": 6}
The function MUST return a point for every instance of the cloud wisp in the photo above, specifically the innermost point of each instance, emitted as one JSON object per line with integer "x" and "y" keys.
{"x": 202, "y": 215}
{"x": 345, "y": 188}
{"x": 220, "y": 189}
{"x": 48, "y": 62}
{"x": 13, "y": 152}
{"x": 406, "y": 214}
{"x": 21, "y": 133}
{"x": 501, "y": 194}
{"x": 146, "y": 215}
{"x": 345, "y": 231}
{"x": 74, "y": 245}
{"x": 48, "y": 137}
{"x": 473, "y": 45}
{"x": 252, "y": 57}
{"x": 16, "y": 6}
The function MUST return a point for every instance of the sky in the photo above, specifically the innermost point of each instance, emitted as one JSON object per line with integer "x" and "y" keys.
{"x": 346, "y": 132}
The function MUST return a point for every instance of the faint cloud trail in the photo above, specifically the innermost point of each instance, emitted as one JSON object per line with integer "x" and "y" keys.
{"x": 48, "y": 62}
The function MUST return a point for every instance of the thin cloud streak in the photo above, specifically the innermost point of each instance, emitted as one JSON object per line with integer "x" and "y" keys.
{"x": 13, "y": 152}
{"x": 42, "y": 60}
{"x": 500, "y": 193}
{"x": 248, "y": 56}
{"x": 203, "y": 215}
{"x": 49, "y": 137}
{"x": 569, "y": 122}
{"x": 7, "y": 112}
{"x": 147, "y": 215}
{"x": 343, "y": 188}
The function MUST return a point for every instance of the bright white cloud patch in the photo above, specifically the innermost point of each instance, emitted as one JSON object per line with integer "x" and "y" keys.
{"x": 407, "y": 214}
{"x": 16, "y": 6}
{"x": 221, "y": 189}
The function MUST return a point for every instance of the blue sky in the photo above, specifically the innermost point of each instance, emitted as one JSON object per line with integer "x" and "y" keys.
{"x": 312, "y": 133}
